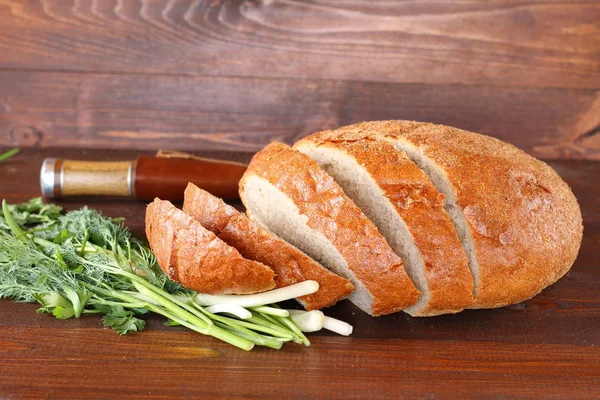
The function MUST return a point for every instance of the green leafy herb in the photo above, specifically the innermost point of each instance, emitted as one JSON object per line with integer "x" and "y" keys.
{"x": 122, "y": 321}
{"x": 8, "y": 154}
{"x": 84, "y": 263}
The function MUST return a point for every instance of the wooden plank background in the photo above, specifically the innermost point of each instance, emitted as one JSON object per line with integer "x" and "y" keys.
{"x": 234, "y": 75}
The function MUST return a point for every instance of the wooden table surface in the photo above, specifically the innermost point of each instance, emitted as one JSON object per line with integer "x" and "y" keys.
{"x": 545, "y": 347}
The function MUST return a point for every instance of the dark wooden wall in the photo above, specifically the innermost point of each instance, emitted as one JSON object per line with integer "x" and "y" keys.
{"x": 233, "y": 75}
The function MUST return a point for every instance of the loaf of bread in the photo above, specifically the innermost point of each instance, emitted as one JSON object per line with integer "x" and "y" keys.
{"x": 517, "y": 220}
{"x": 419, "y": 217}
{"x": 193, "y": 256}
{"x": 406, "y": 208}
{"x": 287, "y": 192}
{"x": 255, "y": 243}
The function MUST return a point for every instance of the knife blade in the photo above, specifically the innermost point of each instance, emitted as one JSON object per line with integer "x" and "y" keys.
{"x": 145, "y": 178}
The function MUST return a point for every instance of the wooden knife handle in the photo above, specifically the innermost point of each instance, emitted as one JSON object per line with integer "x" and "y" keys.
{"x": 64, "y": 178}
{"x": 167, "y": 177}
{"x": 146, "y": 178}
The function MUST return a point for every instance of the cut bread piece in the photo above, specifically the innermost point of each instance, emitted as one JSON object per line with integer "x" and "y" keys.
{"x": 288, "y": 193}
{"x": 518, "y": 221}
{"x": 197, "y": 259}
{"x": 255, "y": 243}
{"x": 406, "y": 208}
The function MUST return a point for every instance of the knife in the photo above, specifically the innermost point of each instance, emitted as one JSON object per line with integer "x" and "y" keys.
{"x": 165, "y": 175}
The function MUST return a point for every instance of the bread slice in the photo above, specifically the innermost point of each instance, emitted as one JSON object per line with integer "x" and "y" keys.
{"x": 517, "y": 220}
{"x": 288, "y": 193}
{"x": 406, "y": 208}
{"x": 255, "y": 243}
{"x": 196, "y": 258}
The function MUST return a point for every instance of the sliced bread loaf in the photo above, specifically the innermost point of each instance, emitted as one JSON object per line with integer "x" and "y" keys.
{"x": 406, "y": 208}
{"x": 287, "y": 192}
{"x": 517, "y": 220}
{"x": 196, "y": 258}
{"x": 255, "y": 243}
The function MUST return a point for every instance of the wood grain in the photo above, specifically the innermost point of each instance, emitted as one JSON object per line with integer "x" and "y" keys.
{"x": 544, "y": 347}
{"x": 503, "y": 42}
{"x": 176, "y": 364}
{"x": 244, "y": 114}
{"x": 234, "y": 74}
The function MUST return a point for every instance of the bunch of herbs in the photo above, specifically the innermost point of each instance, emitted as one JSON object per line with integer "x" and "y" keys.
{"x": 82, "y": 262}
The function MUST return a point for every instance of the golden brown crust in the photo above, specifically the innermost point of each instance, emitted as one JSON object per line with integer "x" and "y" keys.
{"x": 335, "y": 216}
{"x": 420, "y": 205}
{"x": 255, "y": 243}
{"x": 525, "y": 222}
{"x": 196, "y": 258}
{"x": 212, "y": 212}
